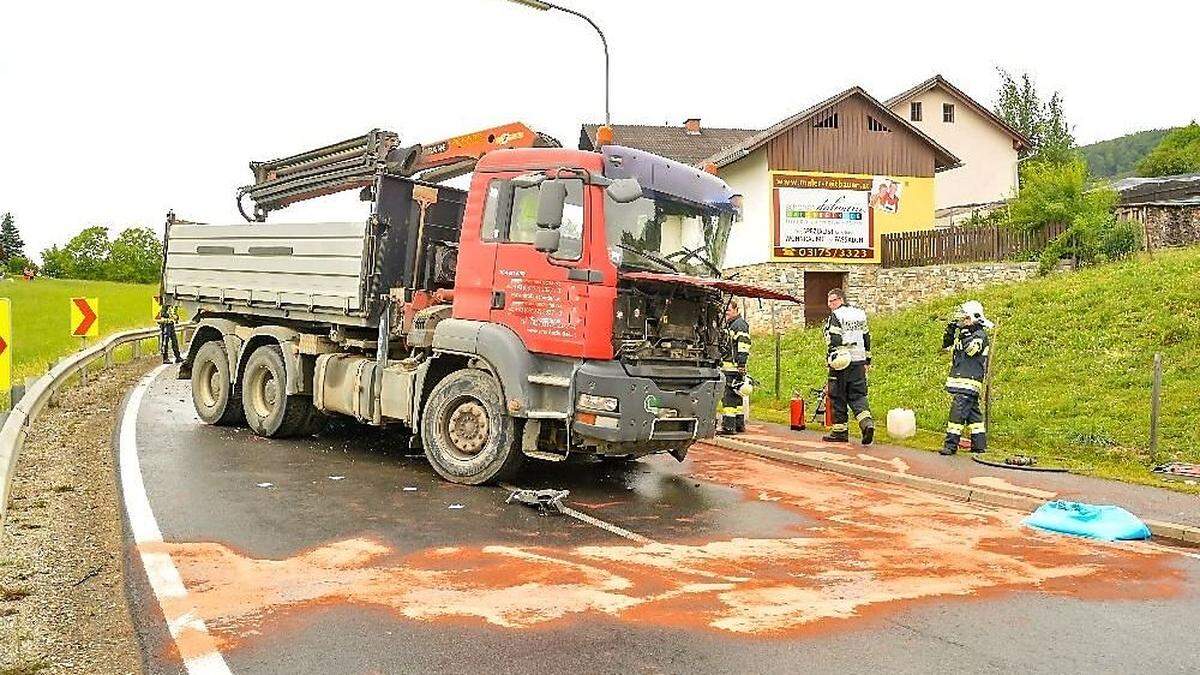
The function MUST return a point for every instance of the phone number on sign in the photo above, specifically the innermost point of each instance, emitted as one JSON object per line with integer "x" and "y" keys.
{"x": 812, "y": 252}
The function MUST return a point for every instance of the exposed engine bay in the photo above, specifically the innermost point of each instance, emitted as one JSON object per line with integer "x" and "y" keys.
{"x": 668, "y": 324}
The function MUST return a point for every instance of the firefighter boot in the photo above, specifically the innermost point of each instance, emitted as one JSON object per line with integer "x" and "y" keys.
{"x": 740, "y": 425}
{"x": 867, "y": 427}
{"x": 950, "y": 447}
{"x": 837, "y": 435}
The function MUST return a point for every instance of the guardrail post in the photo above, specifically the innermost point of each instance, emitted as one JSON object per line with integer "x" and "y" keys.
{"x": 135, "y": 349}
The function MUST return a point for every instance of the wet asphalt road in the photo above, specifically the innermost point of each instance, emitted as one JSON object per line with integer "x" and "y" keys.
{"x": 208, "y": 490}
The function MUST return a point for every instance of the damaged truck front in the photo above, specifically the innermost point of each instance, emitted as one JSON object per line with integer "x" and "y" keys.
{"x": 568, "y": 302}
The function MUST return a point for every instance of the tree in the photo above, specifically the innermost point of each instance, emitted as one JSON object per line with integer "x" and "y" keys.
{"x": 1043, "y": 123}
{"x": 136, "y": 256}
{"x": 1179, "y": 152}
{"x": 56, "y": 263}
{"x": 88, "y": 253}
{"x": 1057, "y": 193}
{"x": 11, "y": 243}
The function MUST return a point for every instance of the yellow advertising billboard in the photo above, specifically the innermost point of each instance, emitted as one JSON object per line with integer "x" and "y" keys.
{"x": 839, "y": 217}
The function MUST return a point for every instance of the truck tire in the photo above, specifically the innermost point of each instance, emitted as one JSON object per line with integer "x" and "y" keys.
{"x": 270, "y": 411}
{"x": 468, "y": 436}
{"x": 213, "y": 394}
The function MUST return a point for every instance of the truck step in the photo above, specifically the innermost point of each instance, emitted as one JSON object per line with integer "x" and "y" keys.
{"x": 549, "y": 380}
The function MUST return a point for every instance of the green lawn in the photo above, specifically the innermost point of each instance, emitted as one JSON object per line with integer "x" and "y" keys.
{"x": 41, "y": 316}
{"x": 1072, "y": 365}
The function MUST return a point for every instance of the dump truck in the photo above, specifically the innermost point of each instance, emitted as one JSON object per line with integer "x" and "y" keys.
{"x": 568, "y": 302}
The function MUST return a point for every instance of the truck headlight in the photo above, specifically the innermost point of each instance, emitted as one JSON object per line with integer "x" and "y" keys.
{"x": 601, "y": 403}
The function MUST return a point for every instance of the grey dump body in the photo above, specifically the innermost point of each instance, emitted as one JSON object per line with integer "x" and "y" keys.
{"x": 329, "y": 273}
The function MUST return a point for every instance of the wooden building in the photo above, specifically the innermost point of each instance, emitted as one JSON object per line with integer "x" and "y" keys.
{"x": 819, "y": 189}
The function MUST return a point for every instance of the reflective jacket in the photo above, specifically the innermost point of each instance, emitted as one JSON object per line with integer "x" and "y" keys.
{"x": 969, "y": 358}
{"x": 737, "y": 344}
{"x": 847, "y": 326}
{"x": 169, "y": 314}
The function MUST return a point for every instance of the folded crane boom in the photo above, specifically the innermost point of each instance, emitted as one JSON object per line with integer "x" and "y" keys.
{"x": 356, "y": 163}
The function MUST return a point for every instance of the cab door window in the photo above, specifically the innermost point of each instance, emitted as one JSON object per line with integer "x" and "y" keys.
{"x": 514, "y": 219}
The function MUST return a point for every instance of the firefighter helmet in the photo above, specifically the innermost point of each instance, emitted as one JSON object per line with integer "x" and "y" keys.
{"x": 974, "y": 310}
{"x": 839, "y": 358}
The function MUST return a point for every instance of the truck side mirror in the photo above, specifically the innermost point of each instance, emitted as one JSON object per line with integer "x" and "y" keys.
{"x": 547, "y": 240}
{"x": 624, "y": 190}
{"x": 551, "y": 199}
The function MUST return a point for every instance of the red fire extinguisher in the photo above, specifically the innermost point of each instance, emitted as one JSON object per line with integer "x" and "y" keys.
{"x": 797, "y": 410}
{"x": 828, "y": 409}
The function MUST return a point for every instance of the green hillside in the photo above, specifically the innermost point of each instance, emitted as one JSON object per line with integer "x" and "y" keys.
{"x": 1071, "y": 369}
{"x": 41, "y": 314}
{"x": 1118, "y": 157}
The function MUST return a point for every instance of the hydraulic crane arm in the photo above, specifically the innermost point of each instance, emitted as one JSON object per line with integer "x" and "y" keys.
{"x": 355, "y": 163}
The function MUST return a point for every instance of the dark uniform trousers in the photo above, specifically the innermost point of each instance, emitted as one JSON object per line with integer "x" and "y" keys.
{"x": 733, "y": 414}
{"x": 848, "y": 392}
{"x": 965, "y": 416}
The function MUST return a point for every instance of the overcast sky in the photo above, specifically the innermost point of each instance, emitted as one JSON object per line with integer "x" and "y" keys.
{"x": 113, "y": 112}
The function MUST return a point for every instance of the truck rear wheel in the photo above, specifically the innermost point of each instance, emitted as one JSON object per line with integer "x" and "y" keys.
{"x": 270, "y": 411}
{"x": 213, "y": 393}
{"x": 468, "y": 436}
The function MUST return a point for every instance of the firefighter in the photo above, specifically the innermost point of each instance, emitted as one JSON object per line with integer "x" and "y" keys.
{"x": 849, "y": 359}
{"x": 737, "y": 385}
{"x": 967, "y": 339}
{"x": 168, "y": 316}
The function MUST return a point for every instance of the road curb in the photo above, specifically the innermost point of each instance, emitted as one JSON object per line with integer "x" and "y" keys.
{"x": 969, "y": 493}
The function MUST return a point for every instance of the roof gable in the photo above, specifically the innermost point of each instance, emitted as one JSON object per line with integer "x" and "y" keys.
{"x": 944, "y": 158}
{"x": 668, "y": 141}
{"x": 939, "y": 82}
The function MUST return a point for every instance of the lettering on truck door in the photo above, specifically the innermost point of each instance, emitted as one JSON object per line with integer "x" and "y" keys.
{"x": 533, "y": 292}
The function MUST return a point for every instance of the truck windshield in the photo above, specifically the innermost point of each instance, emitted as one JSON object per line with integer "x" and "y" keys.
{"x": 662, "y": 234}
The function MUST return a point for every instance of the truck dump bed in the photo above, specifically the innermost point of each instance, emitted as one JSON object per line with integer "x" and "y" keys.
{"x": 314, "y": 267}
{"x": 319, "y": 272}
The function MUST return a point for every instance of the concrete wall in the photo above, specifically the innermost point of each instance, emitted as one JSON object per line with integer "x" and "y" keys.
{"x": 750, "y": 238}
{"x": 873, "y": 288}
{"x": 989, "y": 170}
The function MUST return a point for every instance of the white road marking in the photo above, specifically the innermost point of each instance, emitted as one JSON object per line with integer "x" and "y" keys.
{"x": 596, "y": 522}
{"x": 198, "y": 651}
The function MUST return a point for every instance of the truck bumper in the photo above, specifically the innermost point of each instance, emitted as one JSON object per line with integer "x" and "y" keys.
{"x": 649, "y": 417}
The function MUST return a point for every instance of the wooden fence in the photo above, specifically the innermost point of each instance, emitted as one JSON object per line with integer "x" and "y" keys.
{"x": 985, "y": 243}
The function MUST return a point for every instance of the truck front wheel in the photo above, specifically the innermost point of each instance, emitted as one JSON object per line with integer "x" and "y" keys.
{"x": 467, "y": 435}
{"x": 270, "y": 411}
{"x": 213, "y": 393}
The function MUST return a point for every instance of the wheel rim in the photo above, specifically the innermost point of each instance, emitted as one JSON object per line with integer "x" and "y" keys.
{"x": 466, "y": 428}
{"x": 209, "y": 379}
{"x": 264, "y": 392}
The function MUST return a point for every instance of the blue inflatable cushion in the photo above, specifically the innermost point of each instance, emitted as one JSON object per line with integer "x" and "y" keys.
{"x": 1110, "y": 523}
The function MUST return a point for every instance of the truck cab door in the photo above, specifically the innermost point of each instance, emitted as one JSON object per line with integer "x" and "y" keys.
{"x": 541, "y": 296}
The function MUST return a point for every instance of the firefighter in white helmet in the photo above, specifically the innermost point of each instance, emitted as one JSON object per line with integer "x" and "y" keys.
{"x": 849, "y": 358}
{"x": 967, "y": 339}
{"x": 737, "y": 382}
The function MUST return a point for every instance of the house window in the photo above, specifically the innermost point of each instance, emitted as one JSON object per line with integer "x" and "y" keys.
{"x": 947, "y": 112}
{"x": 830, "y": 122}
{"x": 914, "y": 111}
{"x": 875, "y": 125}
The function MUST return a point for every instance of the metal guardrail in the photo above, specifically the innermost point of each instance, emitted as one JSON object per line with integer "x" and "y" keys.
{"x": 37, "y": 395}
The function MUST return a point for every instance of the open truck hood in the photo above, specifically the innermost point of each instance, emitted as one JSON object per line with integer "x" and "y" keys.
{"x": 726, "y": 285}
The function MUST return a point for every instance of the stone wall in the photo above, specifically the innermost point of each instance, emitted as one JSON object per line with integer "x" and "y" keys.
{"x": 1166, "y": 225}
{"x": 871, "y": 287}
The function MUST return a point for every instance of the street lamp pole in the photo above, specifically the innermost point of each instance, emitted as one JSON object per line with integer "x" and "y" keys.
{"x": 546, "y": 6}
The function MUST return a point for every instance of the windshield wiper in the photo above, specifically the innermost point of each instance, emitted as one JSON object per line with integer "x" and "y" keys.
{"x": 666, "y": 264}
{"x": 697, "y": 253}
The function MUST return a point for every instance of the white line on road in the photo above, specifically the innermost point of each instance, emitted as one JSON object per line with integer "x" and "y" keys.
{"x": 596, "y": 522}
{"x": 198, "y": 651}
